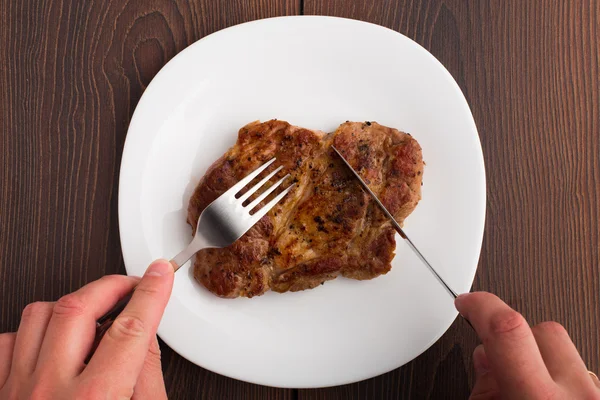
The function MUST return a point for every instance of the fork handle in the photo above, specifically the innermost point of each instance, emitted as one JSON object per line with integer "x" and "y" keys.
{"x": 104, "y": 323}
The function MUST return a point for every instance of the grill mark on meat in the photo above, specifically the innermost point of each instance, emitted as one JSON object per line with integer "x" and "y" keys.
{"x": 326, "y": 226}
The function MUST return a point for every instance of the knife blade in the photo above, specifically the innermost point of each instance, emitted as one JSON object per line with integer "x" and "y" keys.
{"x": 397, "y": 226}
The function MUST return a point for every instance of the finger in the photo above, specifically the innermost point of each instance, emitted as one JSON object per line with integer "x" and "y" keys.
{"x": 121, "y": 353}
{"x": 7, "y": 345}
{"x": 509, "y": 344}
{"x": 30, "y": 336}
{"x": 72, "y": 327}
{"x": 560, "y": 355}
{"x": 150, "y": 383}
{"x": 485, "y": 386}
{"x": 480, "y": 361}
{"x": 594, "y": 379}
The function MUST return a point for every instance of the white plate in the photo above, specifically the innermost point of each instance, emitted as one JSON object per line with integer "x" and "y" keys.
{"x": 315, "y": 72}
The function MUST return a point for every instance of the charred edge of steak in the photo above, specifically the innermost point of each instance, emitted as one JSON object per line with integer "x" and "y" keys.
{"x": 348, "y": 236}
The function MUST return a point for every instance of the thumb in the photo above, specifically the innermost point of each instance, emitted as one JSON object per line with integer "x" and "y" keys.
{"x": 123, "y": 351}
{"x": 150, "y": 383}
{"x": 486, "y": 387}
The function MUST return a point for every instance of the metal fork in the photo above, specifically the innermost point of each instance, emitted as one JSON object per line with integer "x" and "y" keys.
{"x": 226, "y": 219}
{"x": 222, "y": 222}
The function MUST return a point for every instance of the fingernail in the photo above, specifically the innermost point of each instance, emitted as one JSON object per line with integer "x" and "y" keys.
{"x": 458, "y": 302}
{"x": 159, "y": 268}
{"x": 461, "y": 297}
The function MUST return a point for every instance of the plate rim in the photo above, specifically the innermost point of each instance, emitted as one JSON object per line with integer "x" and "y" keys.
{"x": 127, "y": 150}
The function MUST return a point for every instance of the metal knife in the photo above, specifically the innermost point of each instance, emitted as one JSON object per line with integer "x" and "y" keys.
{"x": 397, "y": 226}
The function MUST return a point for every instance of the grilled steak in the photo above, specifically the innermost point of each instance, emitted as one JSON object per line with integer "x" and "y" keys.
{"x": 326, "y": 226}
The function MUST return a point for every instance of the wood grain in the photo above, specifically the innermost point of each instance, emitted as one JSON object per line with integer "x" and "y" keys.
{"x": 71, "y": 73}
{"x": 530, "y": 72}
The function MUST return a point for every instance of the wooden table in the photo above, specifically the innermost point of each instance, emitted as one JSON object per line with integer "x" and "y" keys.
{"x": 72, "y": 72}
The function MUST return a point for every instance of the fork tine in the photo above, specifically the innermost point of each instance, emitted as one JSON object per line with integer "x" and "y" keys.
{"x": 264, "y": 194}
{"x": 261, "y": 213}
{"x": 254, "y": 188}
{"x": 240, "y": 185}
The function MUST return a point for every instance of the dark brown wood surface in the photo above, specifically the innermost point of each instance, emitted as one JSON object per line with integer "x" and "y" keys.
{"x": 71, "y": 73}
